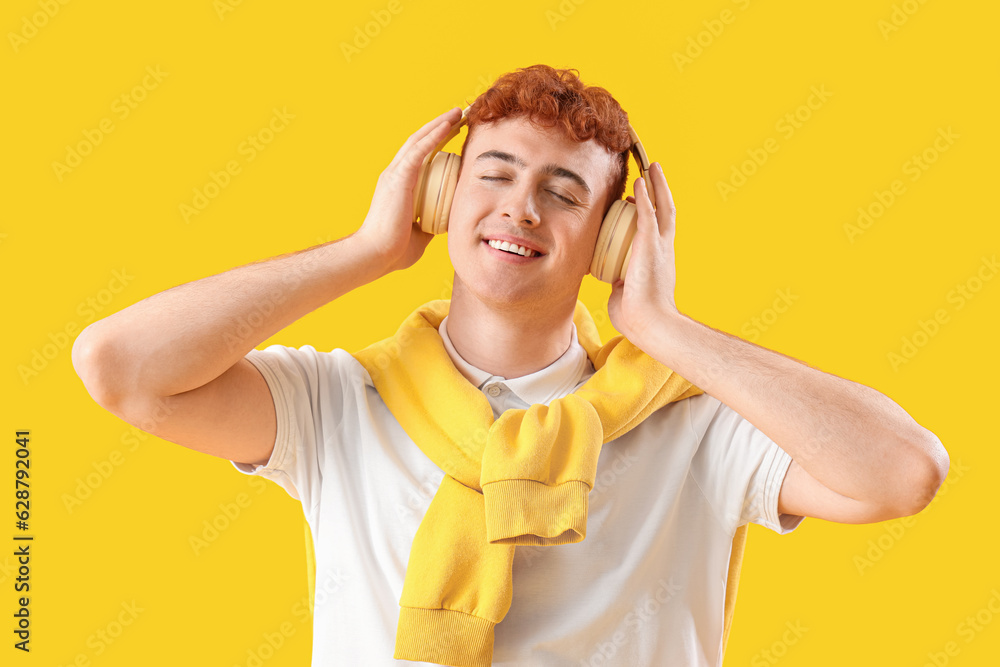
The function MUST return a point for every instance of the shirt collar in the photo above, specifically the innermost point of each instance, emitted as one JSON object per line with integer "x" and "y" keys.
{"x": 554, "y": 381}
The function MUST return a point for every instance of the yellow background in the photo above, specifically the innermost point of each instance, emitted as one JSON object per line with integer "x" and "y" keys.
{"x": 784, "y": 229}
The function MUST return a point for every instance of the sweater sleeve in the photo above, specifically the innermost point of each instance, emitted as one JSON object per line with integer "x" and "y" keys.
{"x": 738, "y": 468}
{"x": 308, "y": 390}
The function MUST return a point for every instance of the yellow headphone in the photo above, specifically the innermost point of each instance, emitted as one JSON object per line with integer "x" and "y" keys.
{"x": 439, "y": 178}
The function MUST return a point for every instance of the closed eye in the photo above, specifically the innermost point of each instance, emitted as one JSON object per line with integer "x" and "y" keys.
{"x": 565, "y": 200}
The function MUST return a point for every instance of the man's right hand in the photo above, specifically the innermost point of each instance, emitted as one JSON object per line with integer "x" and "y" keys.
{"x": 388, "y": 228}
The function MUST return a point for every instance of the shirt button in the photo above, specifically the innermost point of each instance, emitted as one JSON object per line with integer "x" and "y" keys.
{"x": 493, "y": 390}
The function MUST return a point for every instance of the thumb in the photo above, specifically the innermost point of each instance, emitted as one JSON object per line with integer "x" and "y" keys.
{"x": 615, "y": 300}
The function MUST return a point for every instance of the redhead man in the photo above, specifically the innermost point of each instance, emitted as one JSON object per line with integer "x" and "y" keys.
{"x": 767, "y": 439}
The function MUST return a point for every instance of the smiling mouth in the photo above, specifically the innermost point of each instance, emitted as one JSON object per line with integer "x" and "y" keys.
{"x": 512, "y": 249}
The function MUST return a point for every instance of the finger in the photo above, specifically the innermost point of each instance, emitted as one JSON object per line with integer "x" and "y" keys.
{"x": 666, "y": 212}
{"x": 436, "y": 128}
{"x": 417, "y": 154}
{"x": 414, "y": 158}
{"x": 450, "y": 116}
{"x": 647, "y": 216}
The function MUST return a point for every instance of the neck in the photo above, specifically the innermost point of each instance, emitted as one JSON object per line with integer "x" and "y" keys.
{"x": 508, "y": 340}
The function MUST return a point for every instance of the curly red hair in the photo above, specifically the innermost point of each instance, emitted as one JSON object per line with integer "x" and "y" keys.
{"x": 551, "y": 97}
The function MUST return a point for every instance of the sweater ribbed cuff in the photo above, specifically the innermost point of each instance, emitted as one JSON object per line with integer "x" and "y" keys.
{"x": 524, "y": 512}
{"x": 444, "y": 637}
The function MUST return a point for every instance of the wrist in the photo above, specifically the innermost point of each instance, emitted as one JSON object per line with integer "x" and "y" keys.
{"x": 661, "y": 334}
{"x": 374, "y": 255}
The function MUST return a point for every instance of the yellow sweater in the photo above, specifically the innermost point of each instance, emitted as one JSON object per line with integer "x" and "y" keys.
{"x": 522, "y": 479}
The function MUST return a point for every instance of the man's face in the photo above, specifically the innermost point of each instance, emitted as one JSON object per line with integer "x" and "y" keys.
{"x": 535, "y": 187}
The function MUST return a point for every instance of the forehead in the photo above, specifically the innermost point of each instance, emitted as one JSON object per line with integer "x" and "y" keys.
{"x": 538, "y": 147}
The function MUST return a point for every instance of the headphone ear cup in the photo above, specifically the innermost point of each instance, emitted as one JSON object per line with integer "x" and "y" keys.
{"x": 614, "y": 242}
{"x": 434, "y": 192}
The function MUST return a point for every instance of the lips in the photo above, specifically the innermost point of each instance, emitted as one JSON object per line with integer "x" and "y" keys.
{"x": 512, "y": 248}
{"x": 497, "y": 240}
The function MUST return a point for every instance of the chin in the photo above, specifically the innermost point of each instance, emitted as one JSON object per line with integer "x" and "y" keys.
{"x": 524, "y": 298}
{"x": 501, "y": 296}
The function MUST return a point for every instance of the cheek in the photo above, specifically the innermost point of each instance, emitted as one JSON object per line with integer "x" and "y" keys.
{"x": 461, "y": 224}
{"x": 576, "y": 254}
{"x": 460, "y": 211}
{"x": 589, "y": 241}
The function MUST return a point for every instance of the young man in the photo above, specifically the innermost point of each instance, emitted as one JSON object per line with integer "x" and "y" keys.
{"x": 770, "y": 440}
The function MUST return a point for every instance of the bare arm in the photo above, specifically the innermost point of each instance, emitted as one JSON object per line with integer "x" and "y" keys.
{"x": 174, "y": 363}
{"x": 857, "y": 456}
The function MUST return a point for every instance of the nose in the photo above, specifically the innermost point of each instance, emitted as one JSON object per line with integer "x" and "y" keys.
{"x": 519, "y": 205}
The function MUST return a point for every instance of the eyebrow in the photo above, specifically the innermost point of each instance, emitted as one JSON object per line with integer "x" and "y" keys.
{"x": 551, "y": 169}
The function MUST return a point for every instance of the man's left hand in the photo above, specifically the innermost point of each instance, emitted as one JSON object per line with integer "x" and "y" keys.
{"x": 645, "y": 299}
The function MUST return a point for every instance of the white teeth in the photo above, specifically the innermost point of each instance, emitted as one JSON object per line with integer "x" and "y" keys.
{"x": 512, "y": 248}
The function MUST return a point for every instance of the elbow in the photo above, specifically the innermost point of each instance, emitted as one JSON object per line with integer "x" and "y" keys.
{"x": 101, "y": 365}
{"x": 929, "y": 471}
{"x": 94, "y": 362}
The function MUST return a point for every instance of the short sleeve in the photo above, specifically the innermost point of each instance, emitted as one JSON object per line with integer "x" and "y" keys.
{"x": 738, "y": 468}
{"x": 309, "y": 390}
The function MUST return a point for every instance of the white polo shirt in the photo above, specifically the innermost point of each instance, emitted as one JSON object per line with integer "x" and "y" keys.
{"x": 645, "y": 588}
